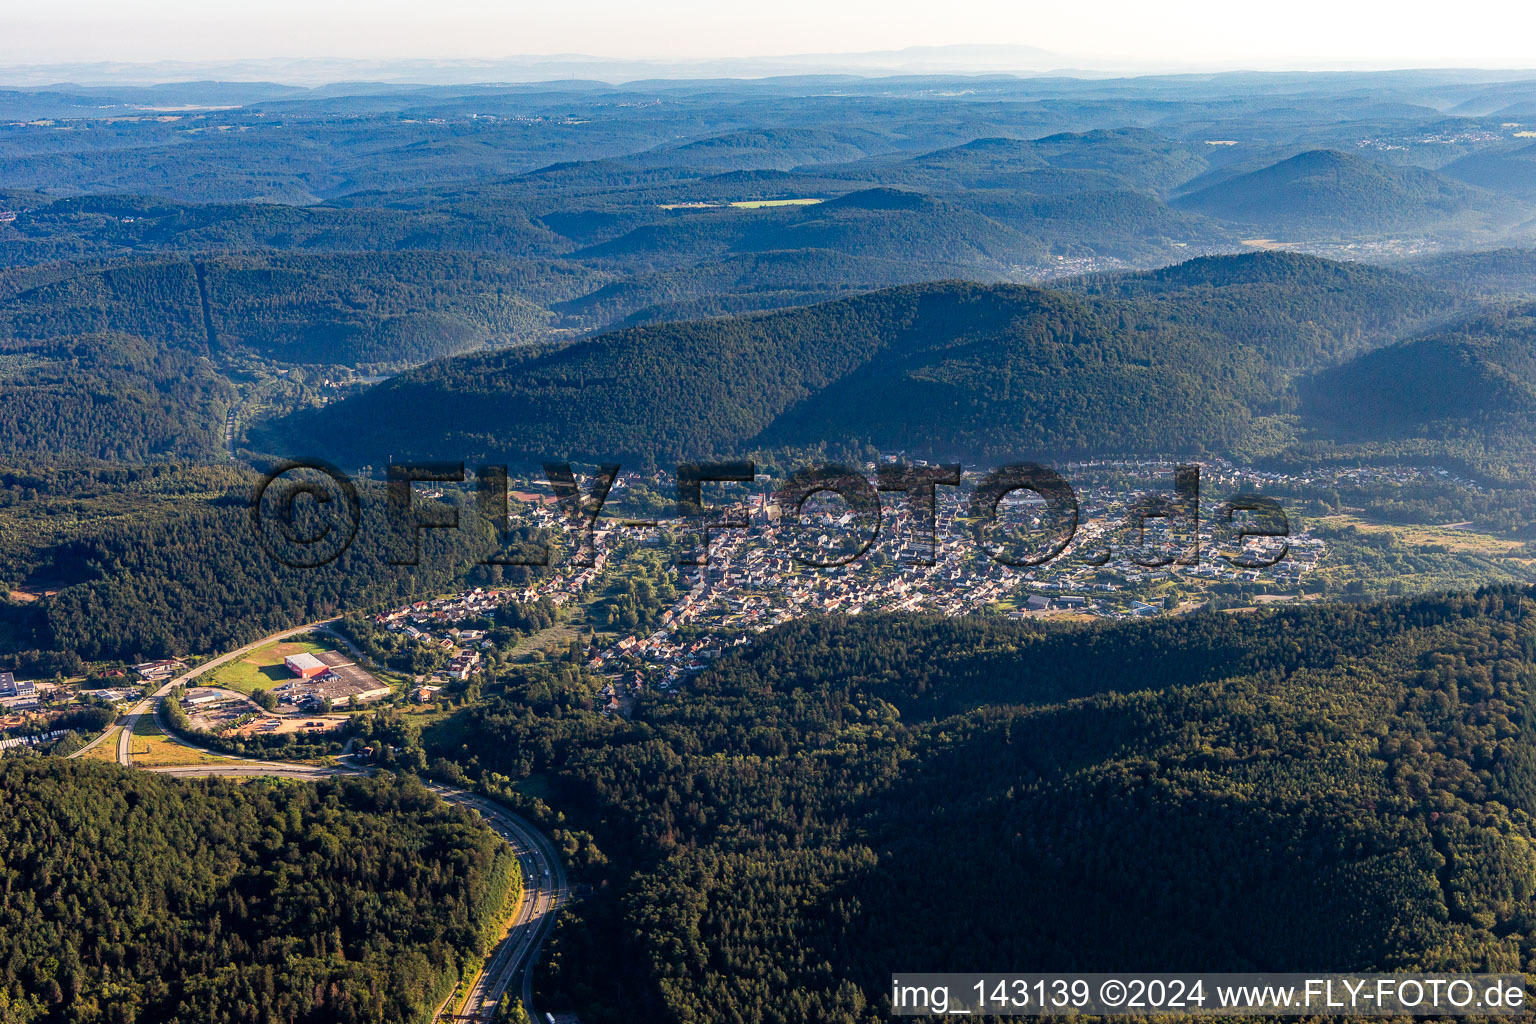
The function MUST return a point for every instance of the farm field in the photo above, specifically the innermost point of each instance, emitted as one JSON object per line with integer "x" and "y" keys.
{"x": 759, "y": 204}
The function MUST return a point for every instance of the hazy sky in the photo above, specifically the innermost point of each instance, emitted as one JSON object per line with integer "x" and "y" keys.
{"x": 1492, "y": 33}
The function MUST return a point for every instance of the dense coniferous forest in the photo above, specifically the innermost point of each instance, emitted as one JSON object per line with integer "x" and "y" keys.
{"x": 351, "y": 309}
{"x": 1179, "y": 360}
{"x": 849, "y": 795}
{"x": 361, "y": 234}
{"x": 1495, "y": 272}
{"x": 199, "y": 582}
{"x": 1183, "y": 360}
{"x": 1478, "y": 376}
{"x": 130, "y": 897}
{"x": 1326, "y": 190}
{"x": 1278, "y": 273}
{"x": 109, "y": 397}
{"x": 161, "y": 561}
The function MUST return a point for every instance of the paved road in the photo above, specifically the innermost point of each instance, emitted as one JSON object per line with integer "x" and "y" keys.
{"x": 510, "y": 965}
{"x": 125, "y": 738}
{"x": 98, "y": 741}
{"x": 310, "y": 773}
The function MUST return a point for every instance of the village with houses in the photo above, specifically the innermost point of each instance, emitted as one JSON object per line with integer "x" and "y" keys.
{"x": 761, "y": 575}
{"x": 766, "y": 569}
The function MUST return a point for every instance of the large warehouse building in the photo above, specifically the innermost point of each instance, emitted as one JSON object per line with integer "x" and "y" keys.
{"x": 306, "y": 666}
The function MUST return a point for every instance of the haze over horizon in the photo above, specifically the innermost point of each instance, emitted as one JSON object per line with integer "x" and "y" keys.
{"x": 802, "y": 511}
{"x": 603, "y": 38}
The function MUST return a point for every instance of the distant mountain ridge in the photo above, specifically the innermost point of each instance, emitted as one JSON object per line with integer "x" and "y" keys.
{"x": 1160, "y": 363}
{"x": 1324, "y": 190}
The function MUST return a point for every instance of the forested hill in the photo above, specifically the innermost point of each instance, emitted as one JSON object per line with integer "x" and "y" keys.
{"x": 318, "y": 308}
{"x": 1118, "y": 158}
{"x": 109, "y": 396}
{"x": 1324, "y": 190}
{"x": 1340, "y": 785}
{"x": 1474, "y": 379}
{"x": 142, "y": 359}
{"x": 1299, "y": 311}
{"x": 1498, "y": 272}
{"x": 1177, "y": 363}
{"x": 131, "y": 897}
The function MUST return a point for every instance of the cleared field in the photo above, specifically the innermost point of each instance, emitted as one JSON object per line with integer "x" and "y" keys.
{"x": 1454, "y": 538}
{"x": 743, "y": 204}
{"x": 262, "y": 669}
{"x": 758, "y": 204}
{"x": 151, "y": 748}
{"x": 106, "y": 750}
{"x": 273, "y": 726}
{"x": 559, "y": 635}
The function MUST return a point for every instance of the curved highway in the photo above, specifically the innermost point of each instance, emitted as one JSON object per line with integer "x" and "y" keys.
{"x": 509, "y": 968}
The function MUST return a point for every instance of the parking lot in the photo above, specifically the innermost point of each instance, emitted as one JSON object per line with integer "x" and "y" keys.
{"x": 344, "y": 681}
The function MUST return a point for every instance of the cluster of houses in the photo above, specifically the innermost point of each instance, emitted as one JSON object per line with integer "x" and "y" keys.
{"x": 753, "y": 581}
{"x": 462, "y": 664}
{"x": 758, "y": 578}
{"x": 438, "y": 622}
